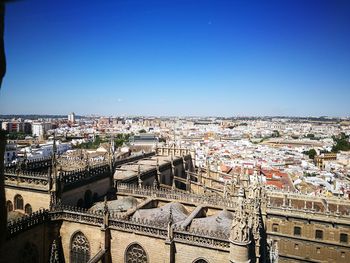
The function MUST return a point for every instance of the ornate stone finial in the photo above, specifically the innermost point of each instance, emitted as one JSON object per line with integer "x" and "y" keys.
{"x": 139, "y": 176}
{"x": 170, "y": 224}
{"x": 105, "y": 206}
{"x": 240, "y": 229}
{"x": 155, "y": 184}
{"x": 225, "y": 190}
{"x": 105, "y": 213}
{"x": 241, "y": 192}
{"x": 171, "y": 215}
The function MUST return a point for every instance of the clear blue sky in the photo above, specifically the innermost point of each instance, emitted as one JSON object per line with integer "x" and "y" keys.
{"x": 178, "y": 57}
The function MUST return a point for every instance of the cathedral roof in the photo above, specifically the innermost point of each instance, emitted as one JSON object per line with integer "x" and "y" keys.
{"x": 161, "y": 214}
{"x": 220, "y": 222}
{"x": 122, "y": 204}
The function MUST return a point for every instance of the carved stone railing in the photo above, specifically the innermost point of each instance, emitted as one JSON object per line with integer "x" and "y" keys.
{"x": 72, "y": 177}
{"x": 129, "y": 159}
{"x": 33, "y": 164}
{"x": 306, "y": 213}
{"x": 15, "y": 227}
{"x": 337, "y": 207}
{"x": 168, "y": 150}
{"x": 12, "y": 172}
{"x": 77, "y": 215}
{"x": 306, "y": 195}
{"x": 176, "y": 195}
{"x": 141, "y": 226}
{"x": 35, "y": 179}
{"x": 216, "y": 240}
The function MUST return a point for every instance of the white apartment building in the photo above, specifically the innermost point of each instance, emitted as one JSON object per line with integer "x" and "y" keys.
{"x": 39, "y": 129}
{"x": 71, "y": 117}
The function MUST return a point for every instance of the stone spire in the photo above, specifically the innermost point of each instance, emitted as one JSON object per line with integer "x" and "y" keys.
{"x": 111, "y": 152}
{"x": 54, "y": 152}
{"x": 173, "y": 172}
{"x": 225, "y": 190}
{"x": 105, "y": 212}
{"x": 53, "y": 175}
{"x": 139, "y": 181}
{"x": 170, "y": 224}
{"x": 156, "y": 181}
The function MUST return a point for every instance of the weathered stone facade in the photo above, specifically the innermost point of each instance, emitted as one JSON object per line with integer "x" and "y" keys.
{"x": 205, "y": 221}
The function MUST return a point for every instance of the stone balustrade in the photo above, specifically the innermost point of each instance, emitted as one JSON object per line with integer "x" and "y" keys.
{"x": 177, "y": 195}
{"x": 15, "y": 227}
{"x": 71, "y": 177}
{"x": 305, "y": 195}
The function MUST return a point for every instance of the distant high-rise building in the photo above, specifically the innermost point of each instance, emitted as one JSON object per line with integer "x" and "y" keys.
{"x": 71, "y": 117}
{"x": 39, "y": 129}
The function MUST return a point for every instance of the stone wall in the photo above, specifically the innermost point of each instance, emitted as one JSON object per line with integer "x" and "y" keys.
{"x": 69, "y": 229}
{"x": 306, "y": 246}
{"x": 101, "y": 187}
{"x": 29, "y": 239}
{"x": 155, "y": 248}
{"x": 190, "y": 253}
{"x": 37, "y": 200}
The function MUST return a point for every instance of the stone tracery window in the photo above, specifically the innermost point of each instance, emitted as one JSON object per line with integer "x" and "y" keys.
{"x": 18, "y": 202}
{"x": 80, "y": 249}
{"x": 135, "y": 254}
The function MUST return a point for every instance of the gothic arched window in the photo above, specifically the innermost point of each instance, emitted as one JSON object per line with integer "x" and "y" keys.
{"x": 200, "y": 260}
{"x": 135, "y": 254}
{"x": 29, "y": 253}
{"x": 28, "y": 209}
{"x": 18, "y": 202}
{"x": 80, "y": 249}
{"x": 9, "y": 206}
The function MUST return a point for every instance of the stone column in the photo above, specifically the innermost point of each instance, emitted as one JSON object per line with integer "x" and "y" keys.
{"x": 239, "y": 252}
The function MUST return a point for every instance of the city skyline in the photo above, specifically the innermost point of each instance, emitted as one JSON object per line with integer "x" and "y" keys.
{"x": 213, "y": 58}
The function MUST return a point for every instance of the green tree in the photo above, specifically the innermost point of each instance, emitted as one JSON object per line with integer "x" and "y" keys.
{"x": 276, "y": 134}
{"x": 311, "y": 153}
{"x": 341, "y": 143}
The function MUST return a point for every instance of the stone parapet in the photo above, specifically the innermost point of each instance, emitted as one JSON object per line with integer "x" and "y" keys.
{"x": 20, "y": 225}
